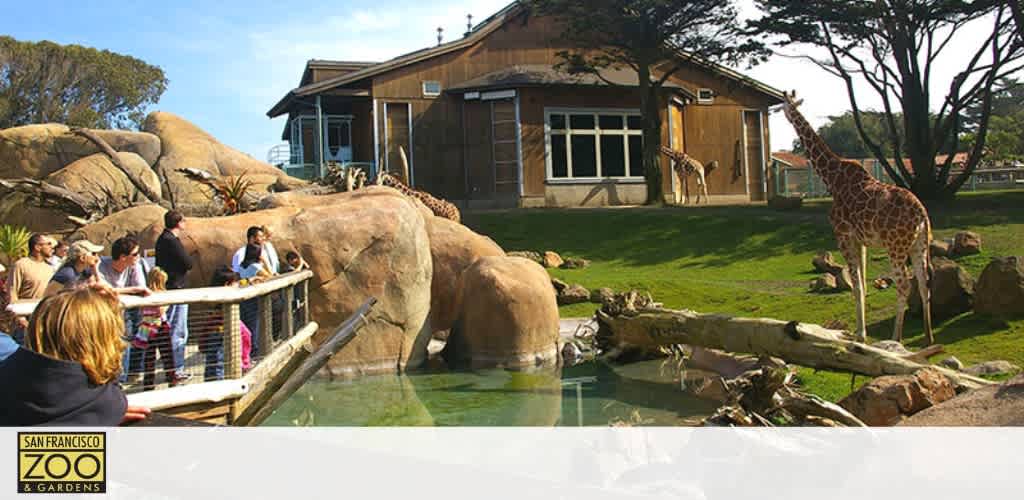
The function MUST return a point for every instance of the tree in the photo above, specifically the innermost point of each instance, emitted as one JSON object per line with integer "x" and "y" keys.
{"x": 46, "y": 82}
{"x": 893, "y": 46}
{"x": 654, "y": 38}
{"x": 1007, "y": 100}
{"x": 840, "y": 133}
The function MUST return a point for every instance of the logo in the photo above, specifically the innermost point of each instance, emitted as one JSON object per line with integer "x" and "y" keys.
{"x": 62, "y": 462}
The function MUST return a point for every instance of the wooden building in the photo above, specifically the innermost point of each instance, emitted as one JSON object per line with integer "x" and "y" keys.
{"x": 487, "y": 121}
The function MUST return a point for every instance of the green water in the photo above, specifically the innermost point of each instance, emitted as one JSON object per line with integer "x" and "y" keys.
{"x": 589, "y": 394}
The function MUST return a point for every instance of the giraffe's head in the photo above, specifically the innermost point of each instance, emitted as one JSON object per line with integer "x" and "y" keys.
{"x": 665, "y": 150}
{"x": 791, "y": 102}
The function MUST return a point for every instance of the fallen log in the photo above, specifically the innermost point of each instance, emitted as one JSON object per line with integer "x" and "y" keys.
{"x": 46, "y": 195}
{"x": 799, "y": 343}
{"x": 116, "y": 160}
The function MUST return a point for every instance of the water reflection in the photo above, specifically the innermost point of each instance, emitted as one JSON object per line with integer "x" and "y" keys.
{"x": 588, "y": 394}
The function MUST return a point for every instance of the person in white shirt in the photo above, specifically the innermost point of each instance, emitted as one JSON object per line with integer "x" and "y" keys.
{"x": 257, "y": 235}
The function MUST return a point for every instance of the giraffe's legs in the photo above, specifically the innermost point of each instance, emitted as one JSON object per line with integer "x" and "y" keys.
{"x": 853, "y": 251}
{"x": 919, "y": 260}
{"x": 902, "y": 282}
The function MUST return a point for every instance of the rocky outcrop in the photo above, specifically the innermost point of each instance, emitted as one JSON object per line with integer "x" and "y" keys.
{"x": 1000, "y": 288}
{"x": 453, "y": 248}
{"x": 366, "y": 243}
{"x": 998, "y": 405}
{"x": 887, "y": 400}
{"x": 508, "y": 316}
{"x": 186, "y": 145}
{"x": 966, "y": 243}
{"x": 96, "y": 177}
{"x": 135, "y": 220}
{"x": 36, "y": 151}
{"x": 952, "y": 290}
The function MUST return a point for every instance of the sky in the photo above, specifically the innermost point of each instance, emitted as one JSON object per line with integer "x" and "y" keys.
{"x": 229, "y": 61}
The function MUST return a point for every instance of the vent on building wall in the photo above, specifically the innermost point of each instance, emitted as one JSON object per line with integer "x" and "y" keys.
{"x": 705, "y": 96}
{"x": 431, "y": 88}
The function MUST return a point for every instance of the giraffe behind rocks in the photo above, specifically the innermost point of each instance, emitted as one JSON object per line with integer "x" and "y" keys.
{"x": 441, "y": 208}
{"x": 869, "y": 213}
{"x": 684, "y": 165}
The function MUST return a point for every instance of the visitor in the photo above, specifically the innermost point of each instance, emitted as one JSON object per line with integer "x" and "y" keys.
{"x": 253, "y": 268}
{"x": 29, "y": 277}
{"x": 294, "y": 262}
{"x": 60, "y": 252}
{"x": 172, "y": 258}
{"x": 253, "y": 236}
{"x": 212, "y": 343}
{"x": 66, "y": 372}
{"x": 80, "y": 268}
{"x": 154, "y": 334}
{"x": 269, "y": 251}
{"x": 123, "y": 272}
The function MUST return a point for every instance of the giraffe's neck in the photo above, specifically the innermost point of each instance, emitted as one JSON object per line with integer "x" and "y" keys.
{"x": 824, "y": 161}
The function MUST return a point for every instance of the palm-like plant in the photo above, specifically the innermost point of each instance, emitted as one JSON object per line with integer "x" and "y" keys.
{"x": 232, "y": 192}
{"x": 13, "y": 243}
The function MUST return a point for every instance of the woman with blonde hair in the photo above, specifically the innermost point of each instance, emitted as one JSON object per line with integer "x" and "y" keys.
{"x": 66, "y": 373}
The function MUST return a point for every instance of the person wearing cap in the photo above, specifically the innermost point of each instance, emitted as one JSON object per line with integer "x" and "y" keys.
{"x": 29, "y": 277}
{"x": 79, "y": 268}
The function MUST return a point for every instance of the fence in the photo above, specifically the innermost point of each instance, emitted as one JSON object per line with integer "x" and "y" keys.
{"x": 273, "y": 311}
{"x": 805, "y": 183}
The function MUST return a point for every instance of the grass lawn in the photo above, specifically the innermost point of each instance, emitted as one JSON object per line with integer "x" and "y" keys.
{"x": 751, "y": 261}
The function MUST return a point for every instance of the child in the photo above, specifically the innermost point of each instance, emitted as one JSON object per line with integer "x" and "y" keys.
{"x": 154, "y": 333}
{"x": 294, "y": 262}
{"x": 212, "y": 344}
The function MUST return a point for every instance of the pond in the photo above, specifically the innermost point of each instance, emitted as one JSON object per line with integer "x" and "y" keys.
{"x": 588, "y": 394}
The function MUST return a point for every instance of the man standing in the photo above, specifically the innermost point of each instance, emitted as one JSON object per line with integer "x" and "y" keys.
{"x": 172, "y": 258}
{"x": 60, "y": 252}
{"x": 29, "y": 277}
{"x": 256, "y": 235}
{"x": 123, "y": 272}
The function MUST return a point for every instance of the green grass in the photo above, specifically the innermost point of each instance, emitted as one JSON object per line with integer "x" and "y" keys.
{"x": 752, "y": 261}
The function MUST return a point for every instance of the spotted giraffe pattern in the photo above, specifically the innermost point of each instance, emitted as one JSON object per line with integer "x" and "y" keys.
{"x": 441, "y": 208}
{"x": 685, "y": 165}
{"x": 868, "y": 213}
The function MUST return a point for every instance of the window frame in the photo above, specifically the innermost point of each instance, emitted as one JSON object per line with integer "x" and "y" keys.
{"x": 427, "y": 93}
{"x": 597, "y": 132}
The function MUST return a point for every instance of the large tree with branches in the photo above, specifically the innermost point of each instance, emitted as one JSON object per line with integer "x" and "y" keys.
{"x": 894, "y": 47}
{"x": 655, "y": 38}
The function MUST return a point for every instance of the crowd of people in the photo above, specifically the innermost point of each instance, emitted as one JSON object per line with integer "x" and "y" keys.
{"x": 67, "y": 362}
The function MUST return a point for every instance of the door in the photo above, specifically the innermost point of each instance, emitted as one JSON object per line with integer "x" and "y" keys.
{"x": 504, "y": 147}
{"x": 675, "y": 139}
{"x": 479, "y": 151}
{"x": 397, "y": 133}
{"x": 754, "y": 154}
{"x": 339, "y": 139}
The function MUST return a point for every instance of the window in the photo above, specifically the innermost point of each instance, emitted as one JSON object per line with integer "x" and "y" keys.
{"x": 593, "y": 144}
{"x": 431, "y": 88}
{"x": 705, "y": 96}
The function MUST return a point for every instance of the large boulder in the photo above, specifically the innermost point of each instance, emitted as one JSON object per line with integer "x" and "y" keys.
{"x": 951, "y": 287}
{"x": 887, "y": 400}
{"x": 509, "y": 317}
{"x": 18, "y": 209}
{"x": 966, "y": 243}
{"x": 453, "y": 248}
{"x": 96, "y": 177}
{"x": 996, "y": 405}
{"x": 36, "y": 151}
{"x": 135, "y": 220}
{"x": 367, "y": 243}
{"x": 1000, "y": 288}
{"x": 186, "y": 145}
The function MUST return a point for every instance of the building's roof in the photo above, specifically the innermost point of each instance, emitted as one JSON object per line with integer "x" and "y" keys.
{"x": 539, "y": 75}
{"x": 335, "y": 65}
{"x": 478, "y": 32}
{"x": 790, "y": 158}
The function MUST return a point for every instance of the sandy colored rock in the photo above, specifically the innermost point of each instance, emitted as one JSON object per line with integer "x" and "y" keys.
{"x": 135, "y": 220}
{"x": 887, "y": 400}
{"x": 1000, "y": 288}
{"x": 966, "y": 243}
{"x": 824, "y": 263}
{"x": 36, "y": 151}
{"x": 366, "y": 243}
{"x": 186, "y": 145}
{"x": 998, "y": 367}
{"x": 939, "y": 248}
{"x": 453, "y": 248}
{"x": 952, "y": 290}
{"x": 552, "y": 259}
{"x": 96, "y": 177}
{"x": 826, "y": 283}
{"x": 573, "y": 294}
{"x": 999, "y": 405}
{"x": 509, "y": 316}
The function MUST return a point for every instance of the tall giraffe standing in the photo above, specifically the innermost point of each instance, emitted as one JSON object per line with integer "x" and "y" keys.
{"x": 684, "y": 165}
{"x": 866, "y": 212}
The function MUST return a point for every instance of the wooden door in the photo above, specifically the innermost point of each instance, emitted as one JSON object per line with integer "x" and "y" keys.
{"x": 478, "y": 152}
{"x": 505, "y": 149}
{"x": 754, "y": 154}
{"x": 397, "y": 133}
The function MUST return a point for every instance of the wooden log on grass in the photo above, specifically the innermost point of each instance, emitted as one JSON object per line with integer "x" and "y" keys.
{"x": 799, "y": 343}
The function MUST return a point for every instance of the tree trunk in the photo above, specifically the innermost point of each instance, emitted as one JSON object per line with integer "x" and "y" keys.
{"x": 652, "y": 136}
{"x": 46, "y": 195}
{"x": 800, "y": 343}
{"x": 109, "y": 151}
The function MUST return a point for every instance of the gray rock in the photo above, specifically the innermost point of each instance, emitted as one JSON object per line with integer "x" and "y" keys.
{"x": 601, "y": 295}
{"x": 1000, "y": 288}
{"x": 952, "y": 363}
{"x": 966, "y": 243}
{"x": 527, "y": 254}
{"x": 939, "y": 248}
{"x": 574, "y": 294}
{"x": 998, "y": 367}
{"x": 826, "y": 283}
{"x": 824, "y": 263}
{"x": 558, "y": 284}
{"x": 952, "y": 290}
{"x": 891, "y": 346}
{"x": 575, "y": 263}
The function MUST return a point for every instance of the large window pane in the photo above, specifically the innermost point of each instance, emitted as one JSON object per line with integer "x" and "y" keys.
{"x": 613, "y": 156}
{"x": 559, "y": 161}
{"x": 584, "y": 156}
{"x": 636, "y": 155}
{"x": 610, "y": 122}
{"x": 557, "y": 122}
{"x": 581, "y": 122}
{"x": 635, "y": 122}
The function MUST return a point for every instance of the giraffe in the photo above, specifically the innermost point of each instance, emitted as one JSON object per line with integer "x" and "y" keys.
{"x": 867, "y": 212}
{"x": 440, "y": 207}
{"x": 684, "y": 165}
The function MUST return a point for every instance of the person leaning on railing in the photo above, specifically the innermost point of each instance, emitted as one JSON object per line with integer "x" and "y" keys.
{"x": 66, "y": 372}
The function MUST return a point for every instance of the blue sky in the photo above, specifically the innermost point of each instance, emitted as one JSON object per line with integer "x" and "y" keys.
{"x": 229, "y": 61}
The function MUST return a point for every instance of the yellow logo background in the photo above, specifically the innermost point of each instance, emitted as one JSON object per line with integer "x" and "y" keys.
{"x": 62, "y": 462}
